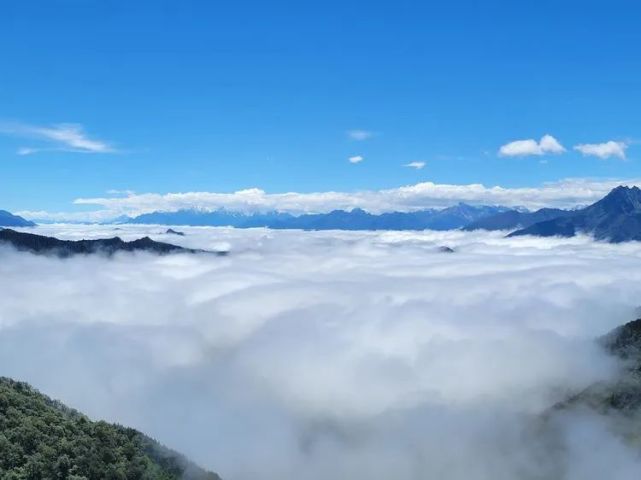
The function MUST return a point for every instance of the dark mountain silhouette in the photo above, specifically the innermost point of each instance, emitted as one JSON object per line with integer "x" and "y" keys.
{"x": 30, "y": 242}
{"x": 171, "y": 231}
{"x": 9, "y": 220}
{"x": 513, "y": 219}
{"x": 615, "y": 218}
{"x": 450, "y": 218}
{"x": 43, "y": 439}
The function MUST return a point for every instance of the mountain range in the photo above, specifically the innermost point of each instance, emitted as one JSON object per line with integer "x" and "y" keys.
{"x": 449, "y": 218}
{"x": 615, "y": 218}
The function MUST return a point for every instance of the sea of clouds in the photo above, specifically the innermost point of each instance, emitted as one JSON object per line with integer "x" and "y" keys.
{"x": 342, "y": 355}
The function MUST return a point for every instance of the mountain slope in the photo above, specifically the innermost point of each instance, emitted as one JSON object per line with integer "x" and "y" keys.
{"x": 9, "y": 220}
{"x": 29, "y": 242}
{"x": 625, "y": 342}
{"x": 615, "y": 218}
{"x": 449, "y": 218}
{"x": 622, "y": 394}
{"x": 513, "y": 219}
{"x": 43, "y": 439}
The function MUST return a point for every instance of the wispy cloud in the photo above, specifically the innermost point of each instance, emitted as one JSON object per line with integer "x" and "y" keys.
{"x": 114, "y": 191}
{"x": 69, "y": 137}
{"x": 27, "y": 151}
{"x": 360, "y": 135}
{"x": 416, "y": 165}
{"x": 603, "y": 150}
{"x": 522, "y": 148}
{"x": 356, "y": 159}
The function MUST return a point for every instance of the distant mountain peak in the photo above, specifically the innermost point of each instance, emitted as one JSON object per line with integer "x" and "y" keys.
{"x": 622, "y": 198}
{"x": 357, "y": 210}
{"x": 624, "y": 192}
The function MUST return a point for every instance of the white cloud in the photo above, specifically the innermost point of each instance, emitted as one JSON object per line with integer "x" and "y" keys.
{"x": 416, "y": 165}
{"x": 547, "y": 145}
{"x": 346, "y": 355}
{"x": 603, "y": 150}
{"x": 359, "y": 135}
{"x": 356, "y": 159}
{"x": 65, "y": 136}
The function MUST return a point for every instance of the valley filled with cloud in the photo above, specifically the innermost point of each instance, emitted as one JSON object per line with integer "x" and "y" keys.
{"x": 315, "y": 355}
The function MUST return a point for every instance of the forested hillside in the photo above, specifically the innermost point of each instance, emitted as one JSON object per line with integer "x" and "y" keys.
{"x": 42, "y": 439}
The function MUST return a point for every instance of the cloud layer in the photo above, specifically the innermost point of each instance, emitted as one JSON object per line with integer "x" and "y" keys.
{"x": 334, "y": 354}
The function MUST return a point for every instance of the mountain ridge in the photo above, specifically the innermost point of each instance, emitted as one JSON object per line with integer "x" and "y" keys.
{"x": 8, "y": 219}
{"x": 615, "y": 218}
{"x": 513, "y": 219}
{"x": 40, "y": 244}
{"x": 450, "y": 218}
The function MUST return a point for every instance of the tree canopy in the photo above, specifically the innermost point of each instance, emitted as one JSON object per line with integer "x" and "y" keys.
{"x": 41, "y": 438}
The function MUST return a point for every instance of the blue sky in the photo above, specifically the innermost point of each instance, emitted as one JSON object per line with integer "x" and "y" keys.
{"x": 208, "y": 96}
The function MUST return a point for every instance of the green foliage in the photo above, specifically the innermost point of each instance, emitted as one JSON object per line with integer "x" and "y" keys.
{"x": 43, "y": 439}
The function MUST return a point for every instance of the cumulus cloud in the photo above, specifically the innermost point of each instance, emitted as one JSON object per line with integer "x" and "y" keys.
{"x": 356, "y": 159}
{"x": 415, "y": 165}
{"x": 65, "y": 136}
{"x": 520, "y": 148}
{"x": 359, "y": 135}
{"x": 603, "y": 150}
{"x": 563, "y": 194}
{"x": 361, "y": 355}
